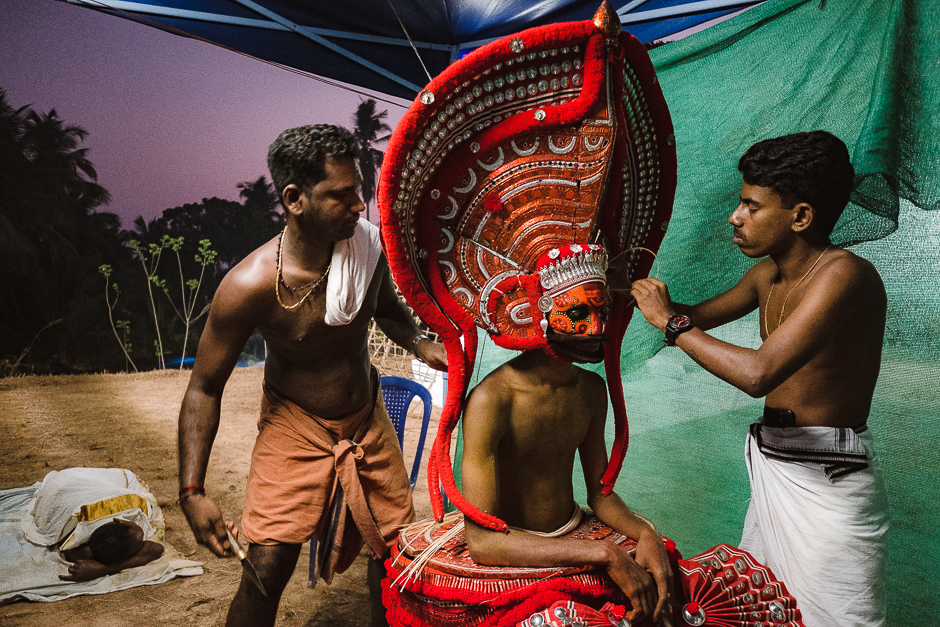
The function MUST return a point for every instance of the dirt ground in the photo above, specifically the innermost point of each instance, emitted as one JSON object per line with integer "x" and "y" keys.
{"x": 129, "y": 421}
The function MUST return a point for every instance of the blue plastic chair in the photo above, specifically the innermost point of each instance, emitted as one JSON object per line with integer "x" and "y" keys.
{"x": 398, "y": 394}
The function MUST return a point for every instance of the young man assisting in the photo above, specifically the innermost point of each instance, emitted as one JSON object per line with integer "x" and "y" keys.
{"x": 818, "y": 513}
{"x": 524, "y": 424}
{"x": 326, "y": 445}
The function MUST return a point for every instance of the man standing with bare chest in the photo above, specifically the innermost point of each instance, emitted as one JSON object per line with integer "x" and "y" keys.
{"x": 818, "y": 512}
{"x": 326, "y": 462}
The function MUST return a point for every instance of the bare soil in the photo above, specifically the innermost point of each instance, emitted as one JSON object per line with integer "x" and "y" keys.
{"x": 129, "y": 421}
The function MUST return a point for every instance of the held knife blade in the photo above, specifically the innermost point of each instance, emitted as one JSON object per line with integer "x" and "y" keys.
{"x": 247, "y": 566}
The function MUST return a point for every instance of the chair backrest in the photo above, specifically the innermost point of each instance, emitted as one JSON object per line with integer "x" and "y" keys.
{"x": 398, "y": 393}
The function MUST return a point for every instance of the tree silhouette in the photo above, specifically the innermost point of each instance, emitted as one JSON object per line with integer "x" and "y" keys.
{"x": 369, "y": 129}
{"x": 50, "y": 232}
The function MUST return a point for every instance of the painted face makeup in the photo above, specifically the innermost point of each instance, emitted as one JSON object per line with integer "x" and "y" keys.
{"x": 581, "y": 310}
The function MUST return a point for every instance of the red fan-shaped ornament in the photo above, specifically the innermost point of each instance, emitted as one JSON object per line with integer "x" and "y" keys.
{"x": 726, "y": 587}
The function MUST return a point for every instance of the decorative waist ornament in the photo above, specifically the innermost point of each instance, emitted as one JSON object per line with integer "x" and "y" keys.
{"x": 505, "y": 186}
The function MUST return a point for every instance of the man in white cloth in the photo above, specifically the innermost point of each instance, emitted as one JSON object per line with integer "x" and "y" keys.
{"x": 98, "y": 518}
{"x": 818, "y": 511}
{"x": 326, "y": 447}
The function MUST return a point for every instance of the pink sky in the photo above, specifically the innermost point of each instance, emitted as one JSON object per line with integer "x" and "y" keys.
{"x": 170, "y": 120}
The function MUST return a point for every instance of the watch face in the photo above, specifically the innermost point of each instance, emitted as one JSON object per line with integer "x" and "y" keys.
{"x": 679, "y": 321}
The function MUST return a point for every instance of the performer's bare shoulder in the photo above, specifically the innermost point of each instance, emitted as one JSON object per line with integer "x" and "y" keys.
{"x": 246, "y": 292}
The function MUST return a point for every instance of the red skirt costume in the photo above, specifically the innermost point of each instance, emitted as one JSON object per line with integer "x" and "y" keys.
{"x": 723, "y": 587}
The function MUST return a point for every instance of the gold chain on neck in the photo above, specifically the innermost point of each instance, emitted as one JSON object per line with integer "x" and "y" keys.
{"x": 782, "y": 309}
{"x": 280, "y": 277}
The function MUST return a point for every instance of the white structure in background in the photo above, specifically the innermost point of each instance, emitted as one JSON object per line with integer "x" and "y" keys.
{"x": 433, "y": 380}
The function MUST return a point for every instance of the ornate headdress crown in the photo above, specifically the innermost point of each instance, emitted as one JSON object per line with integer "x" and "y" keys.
{"x": 556, "y": 138}
{"x": 563, "y": 268}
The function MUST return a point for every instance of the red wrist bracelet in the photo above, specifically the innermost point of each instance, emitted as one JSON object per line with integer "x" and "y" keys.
{"x": 189, "y": 490}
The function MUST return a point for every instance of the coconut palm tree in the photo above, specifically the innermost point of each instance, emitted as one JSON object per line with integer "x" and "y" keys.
{"x": 48, "y": 196}
{"x": 370, "y": 130}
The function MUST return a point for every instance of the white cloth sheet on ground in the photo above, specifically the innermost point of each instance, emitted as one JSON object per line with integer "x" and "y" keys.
{"x": 31, "y": 572}
{"x": 353, "y": 264}
{"x": 824, "y": 538}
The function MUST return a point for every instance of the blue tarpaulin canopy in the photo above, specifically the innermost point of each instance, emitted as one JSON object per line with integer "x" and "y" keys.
{"x": 369, "y": 42}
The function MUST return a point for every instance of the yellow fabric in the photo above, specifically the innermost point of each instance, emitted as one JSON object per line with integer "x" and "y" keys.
{"x": 114, "y": 505}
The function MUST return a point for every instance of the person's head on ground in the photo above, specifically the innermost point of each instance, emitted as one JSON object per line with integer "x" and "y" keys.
{"x": 115, "y": 542}
{"x": 809, "y": 170}
{"x": 316, "y": 174}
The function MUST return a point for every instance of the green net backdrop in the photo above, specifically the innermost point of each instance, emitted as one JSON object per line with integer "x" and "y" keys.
{"x": 868, "y": 71}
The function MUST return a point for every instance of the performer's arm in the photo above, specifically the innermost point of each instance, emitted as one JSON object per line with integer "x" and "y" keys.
{"x": 396, "y": 322}
{"x": 484, "y": 427}
{"x": 88, "y": 569}
{"x": 227, "y": 330}
{"x": 832, "y": 296}
{"x": 612, "y": 511}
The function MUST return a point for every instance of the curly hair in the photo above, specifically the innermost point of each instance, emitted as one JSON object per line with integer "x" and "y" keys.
{"x": 811, "y": 167}
{"x": 112, "y": 543}
{"x": 299, "y": 155}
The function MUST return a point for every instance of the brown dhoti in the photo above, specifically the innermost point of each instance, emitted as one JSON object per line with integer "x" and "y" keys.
{"x": 342, "y": 481}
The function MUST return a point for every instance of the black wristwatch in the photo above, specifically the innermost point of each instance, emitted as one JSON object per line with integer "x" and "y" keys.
{"x": 677, "y": 325}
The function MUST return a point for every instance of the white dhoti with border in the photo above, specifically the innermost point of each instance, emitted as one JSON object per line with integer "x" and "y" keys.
{"x": 819, "y": 525}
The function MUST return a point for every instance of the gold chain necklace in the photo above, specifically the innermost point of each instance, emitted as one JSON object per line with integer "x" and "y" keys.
{"x": 280, "y": 278}
{"x": 782, "y": 309}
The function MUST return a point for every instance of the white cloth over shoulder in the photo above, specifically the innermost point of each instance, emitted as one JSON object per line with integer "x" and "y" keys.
{"x": 354, "y": 262}
{"x": 824, "y": 538}
{"x": 72, "y": 503}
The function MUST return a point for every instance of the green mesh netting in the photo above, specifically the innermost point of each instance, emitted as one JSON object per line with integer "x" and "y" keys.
{"x": 868, "y": 71}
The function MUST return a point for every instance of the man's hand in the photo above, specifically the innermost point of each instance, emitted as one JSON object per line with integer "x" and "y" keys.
{"x": 635, "y": 582}
{"x": 653, "y": 301}
{"x": 86, "y": 570}
{"x": 433, "y": 354}
{"x": 651, "y": 555}
{"x": 205, "y": 519}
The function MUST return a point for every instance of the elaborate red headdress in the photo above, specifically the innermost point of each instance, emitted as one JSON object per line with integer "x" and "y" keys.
{"x": 557, "y": 135}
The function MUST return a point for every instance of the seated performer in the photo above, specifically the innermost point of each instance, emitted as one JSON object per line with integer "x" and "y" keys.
{"x": 539, "y": 407}
{"x": 98, "y": 518}
{"x": 504, "y": 188}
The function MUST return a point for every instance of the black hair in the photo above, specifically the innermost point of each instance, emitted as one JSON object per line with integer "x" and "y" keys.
{"x": 809, "y": 167}
{"x": 299, "y": 155}
{"x": 112, "y": 543}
